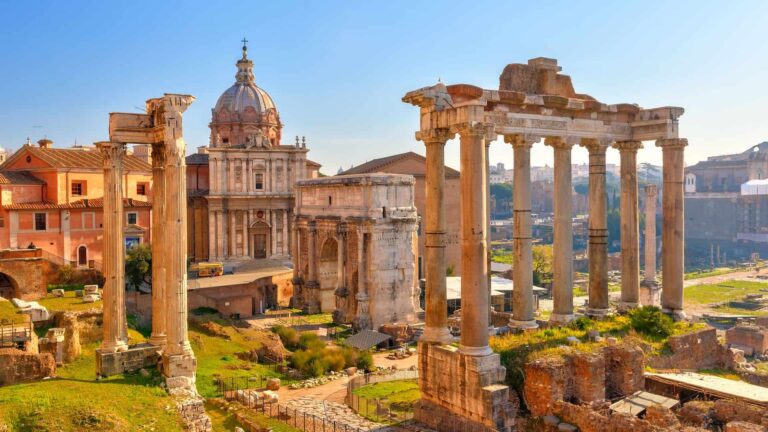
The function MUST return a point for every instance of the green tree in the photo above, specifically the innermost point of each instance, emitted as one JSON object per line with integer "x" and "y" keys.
{"x": 501, "y": 192}
{"x": 138, "y": 265}
{"x": 542, "y": 263}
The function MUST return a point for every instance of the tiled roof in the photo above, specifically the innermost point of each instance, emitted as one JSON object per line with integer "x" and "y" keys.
{"x": 80, "y": 204}
{"x": 77, "y": 158}
{"x": 19, "y": 177}
{"x": 376, "y": 165}
{"x": 197, "y": 159}
{"x": 313, "y": 163}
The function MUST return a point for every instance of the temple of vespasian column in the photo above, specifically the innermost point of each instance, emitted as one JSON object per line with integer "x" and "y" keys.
{"x": 534, "y": 102}
{"x": 161, "y": 127}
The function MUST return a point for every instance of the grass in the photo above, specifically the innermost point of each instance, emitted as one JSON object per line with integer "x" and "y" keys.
{"x": 724, "y": 291}
{"x": 8, "y": 312}
{"x": 217, "y": 357}
{"x": 762, "y": 367}
{"x": 722, "y": 373}
{"x": 306, "y": 320}
{"x": 395, "y": 397}
{"x": 67, "y": 303}
{"x": 75, "y": 401}
{"x": 401, "y": 389}
{"x": 225, "y": 420}
{"x": 716, "y": 272}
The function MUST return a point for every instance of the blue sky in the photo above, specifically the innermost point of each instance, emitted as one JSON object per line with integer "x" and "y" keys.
{"x": 337, "y": 69}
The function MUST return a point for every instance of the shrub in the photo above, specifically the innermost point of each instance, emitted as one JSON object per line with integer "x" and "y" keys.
{"x": 288, "y": 336}
{"x": 310, "y": 341}
{"x": 650, "y": 321}
{"x": 582, "y": 323}
{"x": 65, "y": 275}
{"x": 365, "y": 361}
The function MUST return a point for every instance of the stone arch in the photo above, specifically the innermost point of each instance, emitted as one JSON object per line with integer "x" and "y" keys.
{"x": 328, "y": 273}
{"x": 260, "y": 236}
{"x": 27, "y": 275}
{"x": 8, "y": 287}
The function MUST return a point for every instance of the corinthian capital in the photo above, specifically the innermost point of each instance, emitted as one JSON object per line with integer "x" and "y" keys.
{"x": 628, "y": 146}
{"x": 672, "y": 143}
{"x": 564, "y": 143}
{"x": 435, "y": 136}
{"x": 595, "y": 145}
{"x": 521, "y": 140}
{"x": 112, "y": 152}
{"x": 158, "y": 155}
{"x": 475, "y": 129}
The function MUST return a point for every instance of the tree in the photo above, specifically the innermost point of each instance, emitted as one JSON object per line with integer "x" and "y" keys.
{"x": 502, "y": 192}
{"x": 542, "y": 263}
{"x": 138, "y": 265}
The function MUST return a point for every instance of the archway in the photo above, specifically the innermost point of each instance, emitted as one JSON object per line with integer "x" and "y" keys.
{"x": 7, "y": 287}
{"x": 260, "y": 239}
{"x": 328, "y": 274}
{"x": 82, "y": 256}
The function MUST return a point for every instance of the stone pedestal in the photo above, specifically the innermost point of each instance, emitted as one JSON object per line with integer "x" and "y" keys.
{"x": 134, "y": 358}
{"x": 630, "y": 236}
{"x": 462, "y": 392}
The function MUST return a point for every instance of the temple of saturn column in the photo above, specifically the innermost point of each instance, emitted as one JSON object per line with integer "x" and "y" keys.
{"x": 161, "y": 127}
{"x": 534, "y": 102}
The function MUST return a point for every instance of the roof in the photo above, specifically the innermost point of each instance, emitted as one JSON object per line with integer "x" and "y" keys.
{"x": 80, "y": 204}
{"x": 366, "y": 339}
{"x": 77, "y": 158}
{"x": 19, "y": 177}
{"x": 713, "y": 385}
{"x": 377, "y": 165}
{"x": 197, "y": 159}
{"x": 313, "y": 163}
{"x": 498, "y": 287}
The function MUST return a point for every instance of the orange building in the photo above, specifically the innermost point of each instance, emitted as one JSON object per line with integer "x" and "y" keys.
{"x": 52, "y": 198}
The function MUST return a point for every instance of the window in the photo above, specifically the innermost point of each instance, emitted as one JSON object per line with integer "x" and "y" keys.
{"x": 141, "y": 189}
{"x": 2, "y": 222}
{"x": 41, "y": 220}
{"x": 259, "y": 183}
{"x": 133, "y": 218}
{"x": 77, "y": 188}
{"x": 82, "y": 256}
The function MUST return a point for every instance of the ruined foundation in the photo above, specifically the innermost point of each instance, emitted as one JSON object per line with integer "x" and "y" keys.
{"x": 461, "y": 392}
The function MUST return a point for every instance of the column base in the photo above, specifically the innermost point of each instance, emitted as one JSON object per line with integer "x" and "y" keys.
{"x": 436, "y": 335}
{"x": 475, "y": 351}
{"x": 158, "y": 340}
{"x": 598, "y": 312}
{"x": 523, "y": 325}
{"x": 561, "y": 319}
{"x": 627, "y": 306}
{"x": 118, "y": 346}
{"x": 676, "y": 314}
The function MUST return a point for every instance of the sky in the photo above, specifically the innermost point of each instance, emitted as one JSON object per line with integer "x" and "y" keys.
{"x": 338, "y": 69}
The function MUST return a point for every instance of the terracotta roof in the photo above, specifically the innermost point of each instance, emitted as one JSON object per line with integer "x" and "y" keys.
{"x": 80, "y": 204}
{"x": 19, "y": 177}
{"x": 197, "y": 159}
{"x": 377, "y": 165}
{"x": 78, "y": 158}
{"x": 313, "y": 163}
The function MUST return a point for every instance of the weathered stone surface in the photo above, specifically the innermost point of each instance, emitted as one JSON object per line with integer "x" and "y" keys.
{"x": 80, "y": 327}
{"x": 662, "y": 417}
{"x": 751, "y": 339}
{"x": 134, "y": 358}
{"x": 545, "y": 383}
{"x": 18, "y": 366}
{"x": 192, "y": 412}
{"x": 692, "y": 351}
{"x": 696, "y": 413}
{"x": 53, "y": 343}
{"x": 273, "y": 383}
{"x": 624, "y": 369}
{"x": 57, "y": 293}
{"x": 588, "y": 377}
{"x": 727, "y": 411}
{"x": 742, "y": 426}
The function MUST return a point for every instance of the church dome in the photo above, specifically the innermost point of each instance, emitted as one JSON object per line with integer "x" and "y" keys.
{"x": 245, "y": 93}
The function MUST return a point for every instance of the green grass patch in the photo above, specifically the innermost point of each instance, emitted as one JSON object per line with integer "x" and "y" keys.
{"x": 715, "y": 272}
{"x": 225, "y": 420}
{"x": 401, "y": 389}
{"x": 722, "y": 373}
{"x": 724, "y": 291}
{"x": 9, "y": 313}
{"x": 388, "y": 402}
{"x": 67, "y": 303}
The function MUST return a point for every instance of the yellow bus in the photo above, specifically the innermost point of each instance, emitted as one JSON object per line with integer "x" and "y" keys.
{"x": 207, "y": 269}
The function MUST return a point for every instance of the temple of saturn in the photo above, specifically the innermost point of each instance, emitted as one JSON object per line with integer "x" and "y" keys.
{"x": 161, "y": 127}
{"x": 534, "y": 102}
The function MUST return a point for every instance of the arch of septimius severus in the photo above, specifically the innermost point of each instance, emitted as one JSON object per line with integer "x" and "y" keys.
{"x": 161, "y": 127}
{"x": 534, "y": 102}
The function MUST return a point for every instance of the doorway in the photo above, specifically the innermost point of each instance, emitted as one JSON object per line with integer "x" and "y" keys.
{"x": 260, "y": 237}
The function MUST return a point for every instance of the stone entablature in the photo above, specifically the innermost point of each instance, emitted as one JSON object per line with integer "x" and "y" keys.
{"x": 356, "y": 237}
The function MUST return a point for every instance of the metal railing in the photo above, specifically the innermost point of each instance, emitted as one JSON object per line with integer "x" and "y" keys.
{"x": 380, "y": 410}
{"x": 14, "y": 334}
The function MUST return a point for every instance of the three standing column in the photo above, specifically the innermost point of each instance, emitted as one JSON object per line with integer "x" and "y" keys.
{"x": 115, "y": 328}
{"x": 672, "y": 236}
{"x": 630, "y": 231}
{"x": 562, "y": 283}
{"x": 474, "y": 247}
{"x": 522, "y": 267}
{"x": 436, "y": 314}
{"x": 599, "y": 304}
{"x": 159, "y": 240}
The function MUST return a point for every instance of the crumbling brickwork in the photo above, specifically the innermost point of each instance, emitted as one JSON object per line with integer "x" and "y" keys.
{"x": 18, "y": 366}
{"x": 80, "y": 327}
{"x": 692, "y": 351}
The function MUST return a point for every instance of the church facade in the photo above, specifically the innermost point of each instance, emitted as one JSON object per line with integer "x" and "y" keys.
{"x": 241, "y": 187}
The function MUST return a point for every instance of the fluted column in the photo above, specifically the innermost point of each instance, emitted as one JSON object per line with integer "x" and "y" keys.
{"x": 562, "y": 284}
{"x": 522, "y": 267}
{"x": 650, "y": 234}
{"x": 630, "y": 227}
{"x": 474, "y": 247}
{"x": 159, "y": 241}
{"x": 435, "y": 297}
{"x": 487, "y": 199}
{"x": 115, "y": 327}
{"x": 672, "y": 234}
{"x": 599, "y": 302}
{"x": 212, "y": 183}
{"x": 273, "y": 233}
{"x": 362, "y": 319}
{"x": 176, "y": 250}
{"x": 212, "y": 252}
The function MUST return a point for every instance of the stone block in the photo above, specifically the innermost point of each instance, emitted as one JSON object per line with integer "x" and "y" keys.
{"x": 624, "y": 370}
{"x": 566, "y": 427}
{"x": 588, "y": 377}
{"x": 21, "y": 366}
{"x": 57, "y": 293}
{"x": 751, "y": 339}
{"x": 135, "y": 358}
{"x": 742, "y": 426}
{"x": 273, "y": 384}
{"x": 91, "y": 289}
{"x": 91, "y": 298}
{"x": 545, "y": 383}
{"x": 78, "y": 293}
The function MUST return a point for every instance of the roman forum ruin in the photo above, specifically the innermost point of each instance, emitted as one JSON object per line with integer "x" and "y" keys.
{"x": 534, "y": 101}
{"x": 161, "y": 127}
{"x": 355, "y": 237}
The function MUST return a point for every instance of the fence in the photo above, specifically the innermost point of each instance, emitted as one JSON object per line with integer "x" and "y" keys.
{"x": 243, "y": 391}
{"x": 15, "y": 335}
{"x": 380, "y": 410}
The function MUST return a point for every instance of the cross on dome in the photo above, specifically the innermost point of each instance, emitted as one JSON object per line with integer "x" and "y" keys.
{"x": 245, "y": 48}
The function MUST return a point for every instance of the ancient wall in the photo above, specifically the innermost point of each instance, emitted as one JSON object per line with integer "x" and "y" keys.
{"x": 749, "y": 338}
{"x": 21, "y": 366}
{"x": 692, "y": 351}
{"x": 28, "y": 276}
{"x": 80, "y": 327}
